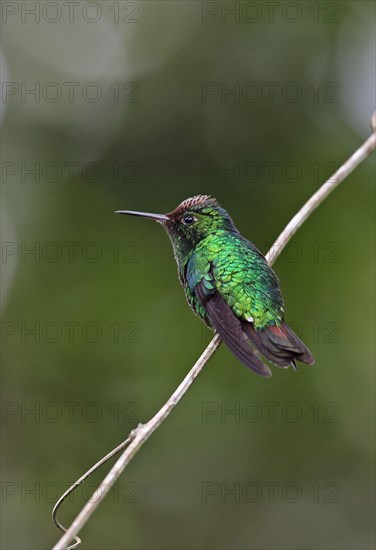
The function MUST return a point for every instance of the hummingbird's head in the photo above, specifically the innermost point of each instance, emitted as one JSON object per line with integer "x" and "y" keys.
{"x": 196, "y": 218}
{"x": 191, "y": 221}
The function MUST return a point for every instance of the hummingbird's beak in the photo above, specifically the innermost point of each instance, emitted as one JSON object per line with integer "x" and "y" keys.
{"x": 158, "y": 217}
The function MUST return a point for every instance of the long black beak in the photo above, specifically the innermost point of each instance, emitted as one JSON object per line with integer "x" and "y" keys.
{"x": 158, "y": 217}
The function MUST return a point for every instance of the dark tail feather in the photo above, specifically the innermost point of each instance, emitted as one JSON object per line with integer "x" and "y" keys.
{"x": 279, "y": 344}
{"x": 230, "y": 330}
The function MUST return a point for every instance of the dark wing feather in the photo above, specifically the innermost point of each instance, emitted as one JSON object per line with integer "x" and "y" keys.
{"x": 229, "y": 328}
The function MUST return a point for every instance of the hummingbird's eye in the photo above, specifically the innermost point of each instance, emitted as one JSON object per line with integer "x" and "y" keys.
{"x": 189, "y": 219}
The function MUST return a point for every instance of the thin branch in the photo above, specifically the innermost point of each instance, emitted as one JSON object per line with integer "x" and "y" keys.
{"x": 80, "y": 480}
{"x": 142, "y": 433}
{"x": 139, "y": 435}
{"x": 349, "y": 166}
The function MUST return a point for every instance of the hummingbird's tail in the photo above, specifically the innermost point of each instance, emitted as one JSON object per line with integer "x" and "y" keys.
{"x": 279, "y": 344}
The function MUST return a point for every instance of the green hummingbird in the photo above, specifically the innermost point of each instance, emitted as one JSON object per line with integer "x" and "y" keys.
{"x": 229, "y": 284}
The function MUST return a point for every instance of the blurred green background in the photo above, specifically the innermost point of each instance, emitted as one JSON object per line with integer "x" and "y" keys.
{"x": 140, "y": 105}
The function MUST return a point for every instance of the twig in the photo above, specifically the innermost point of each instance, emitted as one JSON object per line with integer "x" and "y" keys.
{"x": 142, "y": 433}
{"x": 80, "y": 480}
{"x": 349, "y": 166}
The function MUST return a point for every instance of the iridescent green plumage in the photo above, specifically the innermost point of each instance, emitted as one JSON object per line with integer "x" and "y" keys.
{"x": 229, "y": 284}
{"x": 228, "y": 263}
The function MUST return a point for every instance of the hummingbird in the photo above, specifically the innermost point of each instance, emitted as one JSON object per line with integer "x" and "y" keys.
{"x": 229, "y": 284}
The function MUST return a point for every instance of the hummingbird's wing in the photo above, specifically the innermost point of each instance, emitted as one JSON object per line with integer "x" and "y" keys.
{"x": 199, "y": 277}
{"x": 251, "y": 289}
{"x": 239, "y": 294}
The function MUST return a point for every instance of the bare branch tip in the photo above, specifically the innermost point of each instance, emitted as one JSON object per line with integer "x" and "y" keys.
{"x": 373, "y": 122}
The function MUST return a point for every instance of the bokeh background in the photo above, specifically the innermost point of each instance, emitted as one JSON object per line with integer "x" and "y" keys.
{"x": 139, "y": 105}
